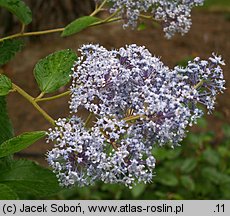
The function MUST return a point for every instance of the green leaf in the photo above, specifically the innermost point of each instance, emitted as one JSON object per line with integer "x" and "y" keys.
{"x": 29, "y": 179}
{"x": 225, "y": 189}
{"x": 54, "y": 71}
{"x": 173, "y": 153}
{"x": 160, "y": 153}
{"x": 6, "y": 193}
{"x": 5, "y": 85}
{"x": 141, "y": 27}
{"x": 187, "y": 182}
{"x": 223, "y": 151}
{"x": 165, "y": 153}
{"x": 8, "y": 49}
{"x": 138, "y": 190}
{"x": 224, "y": 179}
{"x": 79, "y": 25}
{"x": 211, "y": 156}
{"x": 188, "y": 165}
{"x": 202, "y": 122}
{"x": 20, "y": 142}
{"x": 175, "y": 197}
{"x": 6, "y": 131}
{"x": 206, "y": 189}
{"x": 226, "y": 130}
{"x": 19, "y": 9}
{"x": 212, "y": 174}
{"x": 184, "y": 62}
{"x": 165, "y": 177}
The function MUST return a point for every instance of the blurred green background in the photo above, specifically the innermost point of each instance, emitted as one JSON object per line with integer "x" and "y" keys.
{"x": 217, "y": 3}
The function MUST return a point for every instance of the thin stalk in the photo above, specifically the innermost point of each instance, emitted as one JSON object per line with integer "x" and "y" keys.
{"x": 53, "y": 97}
{"x": 199, "y": 84}
{"x": 88, "y": 119}
{"x": 23, "y": 28}
{"x": 36, "y": 33}
{"x": 148, "y": 17}
{"x": 145, "y": 16}
{"x": 105, "y": 21}
{"x": 111, "y": 16}
{"x": 96, "y": 6}
{"x": 44, "y": 32}
{"x": 132, "y": 118}
{"x": 40, "y": 96}
{"x": 98, "y": 9}
{"x": 26, "y": 34}
{"x": 33, "y": 102}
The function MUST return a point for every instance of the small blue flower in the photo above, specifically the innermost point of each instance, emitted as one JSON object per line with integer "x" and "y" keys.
{"x": 175, "y": 15}
{"x": 138, "y": 103}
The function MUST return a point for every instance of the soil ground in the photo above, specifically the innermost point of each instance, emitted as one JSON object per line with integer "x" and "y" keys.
{"x": 210, "y": 32}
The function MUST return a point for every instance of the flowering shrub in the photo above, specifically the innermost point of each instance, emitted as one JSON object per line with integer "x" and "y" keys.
{"x": 175, "y": 15}
{"x": 195, "y": 170}
{"x": 138, "y": 103}
{"x": 135, "y": 102}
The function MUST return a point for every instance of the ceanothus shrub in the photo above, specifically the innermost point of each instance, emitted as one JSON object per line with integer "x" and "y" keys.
{"x": 174, "y": 14}
{"x": 138, "y": 103}
{"x": 135, "y": 102}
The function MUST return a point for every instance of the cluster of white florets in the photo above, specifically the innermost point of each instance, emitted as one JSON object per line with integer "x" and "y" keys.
{"x": 174, "y": 14}
{"x": 138, "y": 102}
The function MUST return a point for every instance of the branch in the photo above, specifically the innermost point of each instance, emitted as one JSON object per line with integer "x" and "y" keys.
{"x": 98, "y": 8}
{"x": 37, "y": 33}
{"x": 33, "y": 102}
{"x": 22, "y": 34}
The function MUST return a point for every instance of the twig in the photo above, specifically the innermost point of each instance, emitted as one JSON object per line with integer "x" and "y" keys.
{"x": 33, "y": 102}
{"x": 53, "y": 97}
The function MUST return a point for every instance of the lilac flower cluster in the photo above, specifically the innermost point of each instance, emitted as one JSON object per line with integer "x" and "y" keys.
{"x": 83, "y": 156}
{"x": 175, "y": 14}
{"x": 138, "y": 102}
